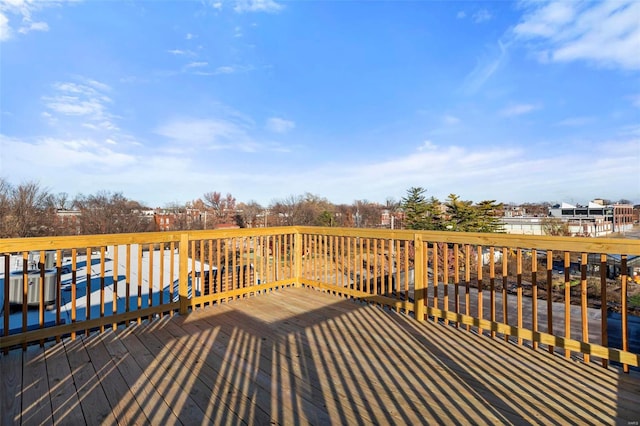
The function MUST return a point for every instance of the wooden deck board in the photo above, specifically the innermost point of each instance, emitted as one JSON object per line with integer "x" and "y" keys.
{"x": 88, "y": 384}
{"x": 124, "y": 406}
{"x": 11, "y": 390}
{"x": 301, "y": 356}
{"x": 65, "y": 405}
{"x": 35, "y": 396}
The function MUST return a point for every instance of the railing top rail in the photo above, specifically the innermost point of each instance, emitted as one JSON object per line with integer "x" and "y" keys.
{"x": 574, "y": 244}
{"x": 53, "y": 243}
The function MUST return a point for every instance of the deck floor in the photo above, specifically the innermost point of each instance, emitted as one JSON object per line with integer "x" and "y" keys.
{"x": 300, "y": 356}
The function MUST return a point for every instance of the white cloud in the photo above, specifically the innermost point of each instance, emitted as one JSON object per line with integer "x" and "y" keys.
{"x": 196, "y": 64}
{"x": 482, "y": 15}
{"x": 85, "y": 101}
{"x": 229, "y": 131}
{"x": 24, "y": 10}
{"x": 546, "y": 21}
{"x": 226, "y": 69}
{"x": 279, "y": 125}
{"x": 635, "y": 100}
{"x": 5, "y": 29}
{"x": 189, "y": 36}
{"x": 179, "y": 52}
{"x": 209, "y": 133}
{"x": 269, "y": 6}
{"x": 461, "y": 15}
{"x": 199, "y": 131}
{"x": 64, "y": 155}
{"x": 427, "y": 146}
{"x": 518, "y": 109}
{"x": 486, "y": 67}
{"x": 450, "y": 120}
{"x": 474, "y": 173}
{"x": 606, "y": 33}
{"x": 34, "y": 26}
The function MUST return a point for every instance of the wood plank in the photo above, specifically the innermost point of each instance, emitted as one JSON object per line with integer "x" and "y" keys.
{"x": 91, "y": 394}
{"x": 65, "y": 405}
{"x": 11, "y": 390}
{"x": 36, "y": 405}
{"x": 212, "y": 387}
{"x": 162, "y": 345}
{"x": 121, "y": 400}
{"x": 146, "y": 395}
{"x": 165, "y": 378}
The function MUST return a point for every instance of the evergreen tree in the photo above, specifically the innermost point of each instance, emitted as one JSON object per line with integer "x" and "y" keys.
{"x": 461, "y": 214}
{"x": 487, "y": 218}
{"x": 434, "y": 219}
{"x": 455, "y": 215}
{"x": 415, "y": 208}
{"x": 420, "y": 213}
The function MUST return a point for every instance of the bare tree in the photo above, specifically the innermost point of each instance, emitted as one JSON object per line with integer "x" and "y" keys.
{"x": 367, "y": 214}
{"x": 62, "y": 201}
{"x": 223, "y": 208}
{"x": 283, "y": 210}
{"x": 301, "y": 209}
{"x": 27, "y": 210}
{"x": 555, "y": 226}
{"x": 5, "y": 206}
{"x": 107, "y": 213}
{"x": 248, "y": 214}
{"x": 344, "y": 215}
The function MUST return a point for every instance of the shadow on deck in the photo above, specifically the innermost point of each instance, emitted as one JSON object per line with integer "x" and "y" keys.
{"x": 298, "y": 356}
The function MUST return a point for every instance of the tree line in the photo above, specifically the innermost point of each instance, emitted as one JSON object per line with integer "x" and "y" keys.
{"x": 28, "y": 210}
{"x": 454, "y": 214}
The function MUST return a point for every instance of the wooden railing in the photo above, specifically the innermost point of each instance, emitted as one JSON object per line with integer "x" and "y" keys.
{"x": 102, "y": 281}
{"x": 539, "y": 291}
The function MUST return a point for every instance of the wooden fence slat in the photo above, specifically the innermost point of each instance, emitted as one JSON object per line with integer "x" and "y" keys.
{"x": 519, "y": 289}
{"x": 534, "y": 293}
{"x": 567, "y": 300}
{"x": 492, "y": 287}
{"x": 624, "y": 308}
{"x": 583, "y": 301}
{"x": 604, "y": 339}
{"x": 102, "y": 282}
{"x": 505, "y": 283}
{"x": 480, "y": 261}
{"x": 550, "y": 295}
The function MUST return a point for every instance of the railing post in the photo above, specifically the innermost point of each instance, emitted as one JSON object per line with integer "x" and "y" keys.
{"x": 298, "y": 258}
{"x": 183, "y": 277}
{"x": 419, "y": 278}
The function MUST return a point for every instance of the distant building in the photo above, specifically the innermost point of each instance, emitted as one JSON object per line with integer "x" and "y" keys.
{"x": 522, "y": 225}
{"x": 69, "y": 219}
{"x": 168, "y": 220}
{"x": 595, "y": 218}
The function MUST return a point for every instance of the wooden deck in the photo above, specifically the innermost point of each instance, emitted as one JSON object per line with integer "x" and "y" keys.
{"x": 299, "y": 356}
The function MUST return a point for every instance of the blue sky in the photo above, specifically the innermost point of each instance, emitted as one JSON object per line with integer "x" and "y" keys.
{"x": 348, "y": 100}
